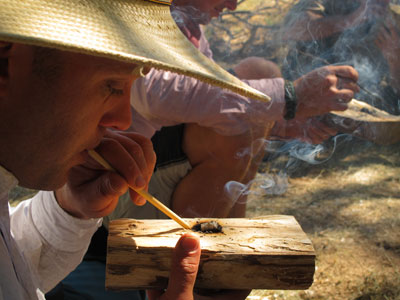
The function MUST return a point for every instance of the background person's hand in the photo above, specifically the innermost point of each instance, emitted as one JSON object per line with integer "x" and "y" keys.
{"x": 311, "y": 130}
{"x": 92, "y": 192}
{"x": 185, "y": 264}
{"x": 325, "y": 89}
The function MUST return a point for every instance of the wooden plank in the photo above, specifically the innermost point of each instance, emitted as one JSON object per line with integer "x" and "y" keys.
{"x": 362, "y": 111}
{"x": 270, "y": 252}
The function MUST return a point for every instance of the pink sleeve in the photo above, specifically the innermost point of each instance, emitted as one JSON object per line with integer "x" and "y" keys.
{"x": 166, "y": 99}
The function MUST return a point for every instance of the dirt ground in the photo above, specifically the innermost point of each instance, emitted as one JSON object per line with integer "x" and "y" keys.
{"x": 350, "y": 209}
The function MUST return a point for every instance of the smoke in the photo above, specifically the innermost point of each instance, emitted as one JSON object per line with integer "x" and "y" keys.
{"x": 354, "y": 44}
{"x": 235, "y": 191}
{"x": 275, "y": 182}
{"x": 268, "y": 184}
{"x": 286, "y": 158}
{"x": 351, "y": 40}
{"x": 316, "y": 154}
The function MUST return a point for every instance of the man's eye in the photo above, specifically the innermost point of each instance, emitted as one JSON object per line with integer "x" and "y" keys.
{"x": 113, "y": 91}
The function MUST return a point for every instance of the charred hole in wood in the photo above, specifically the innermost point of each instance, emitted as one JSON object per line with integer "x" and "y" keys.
{"x": 208, "y": 227}
{"x": 367, "y": 111}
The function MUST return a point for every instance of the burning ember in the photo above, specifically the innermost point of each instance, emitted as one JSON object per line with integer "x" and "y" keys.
{"x": 208, "y": 227}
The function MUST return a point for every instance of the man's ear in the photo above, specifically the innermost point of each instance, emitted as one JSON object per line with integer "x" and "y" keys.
{"x": 5, "y": 48}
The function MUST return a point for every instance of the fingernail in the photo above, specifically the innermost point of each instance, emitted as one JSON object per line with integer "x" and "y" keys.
{"x": 140, "y": 182}
{"x": 140, "y": 201}
{"x": 190, "y": 243}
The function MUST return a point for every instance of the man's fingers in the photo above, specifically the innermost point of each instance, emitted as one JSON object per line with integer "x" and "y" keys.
{"x": 138, "y": 147}
{"x": 131, "y": 155}
{"x": 342, "y": 97}
{"x": 344, "y": 83}
{"x": 345, "y": 72}
{"x": 136, "y": 198}
{"x": 185, "y": 263}
{"x": 131, "y": 141}
{"x": 120, "y": 159}
{"x": 105, "y": 190}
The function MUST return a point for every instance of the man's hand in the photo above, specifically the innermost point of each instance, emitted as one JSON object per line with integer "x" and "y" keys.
{"x": 185, "y": 263}
{"x": 93, "y": 192}
{"x": 325, "y": 89}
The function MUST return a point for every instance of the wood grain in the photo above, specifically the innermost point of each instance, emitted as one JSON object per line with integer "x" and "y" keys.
{"x": 270, "y": 252}
{"x": 362, "y": 111}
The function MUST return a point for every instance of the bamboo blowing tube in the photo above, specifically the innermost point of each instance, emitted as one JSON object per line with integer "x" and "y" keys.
{"x": 97, "y": 157}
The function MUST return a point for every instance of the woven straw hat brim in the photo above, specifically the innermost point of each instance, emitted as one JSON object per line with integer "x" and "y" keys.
{"x": 137, "y": 31}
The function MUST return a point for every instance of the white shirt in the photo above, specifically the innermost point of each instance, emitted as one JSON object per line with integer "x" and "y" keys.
{"x": 39, "y": 243}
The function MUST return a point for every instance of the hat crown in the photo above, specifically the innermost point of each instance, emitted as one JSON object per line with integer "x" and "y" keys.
{"x": 135, "y": 31}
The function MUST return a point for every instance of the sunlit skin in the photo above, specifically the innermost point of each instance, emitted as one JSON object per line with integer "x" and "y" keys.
{"x": 51, "y": 127}
{"x": 47, "y": 126}
{"x": 50, "y": 124}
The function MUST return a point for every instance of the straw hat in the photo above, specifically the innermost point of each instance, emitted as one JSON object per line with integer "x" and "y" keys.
{"x": 138, "y": 31}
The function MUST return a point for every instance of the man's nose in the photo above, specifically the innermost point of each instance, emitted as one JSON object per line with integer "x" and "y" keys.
{"x": 119, "y": 116}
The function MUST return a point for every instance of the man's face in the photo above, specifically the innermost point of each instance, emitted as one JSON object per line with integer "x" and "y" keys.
{"x": 213, "y": 8}
{"x": 48, "y": 124}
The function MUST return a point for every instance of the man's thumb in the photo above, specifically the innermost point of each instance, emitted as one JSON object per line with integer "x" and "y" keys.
{"x": 185, "y": 263}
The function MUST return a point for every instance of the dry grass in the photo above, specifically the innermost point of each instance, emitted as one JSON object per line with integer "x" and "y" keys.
{"x": 350, "y": 209}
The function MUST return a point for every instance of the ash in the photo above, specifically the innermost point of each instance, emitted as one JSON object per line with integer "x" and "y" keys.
{"x": 208, "y": 227}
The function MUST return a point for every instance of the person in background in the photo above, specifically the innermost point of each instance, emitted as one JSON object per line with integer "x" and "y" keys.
{"x": 219, "y": 124}
{"x": 65, "y": 76}
{"x": 360, "y": 33}
{"x": 208, "y": 137}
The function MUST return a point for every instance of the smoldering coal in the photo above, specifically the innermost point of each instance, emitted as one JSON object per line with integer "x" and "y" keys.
{"x": 208, "y": 227}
